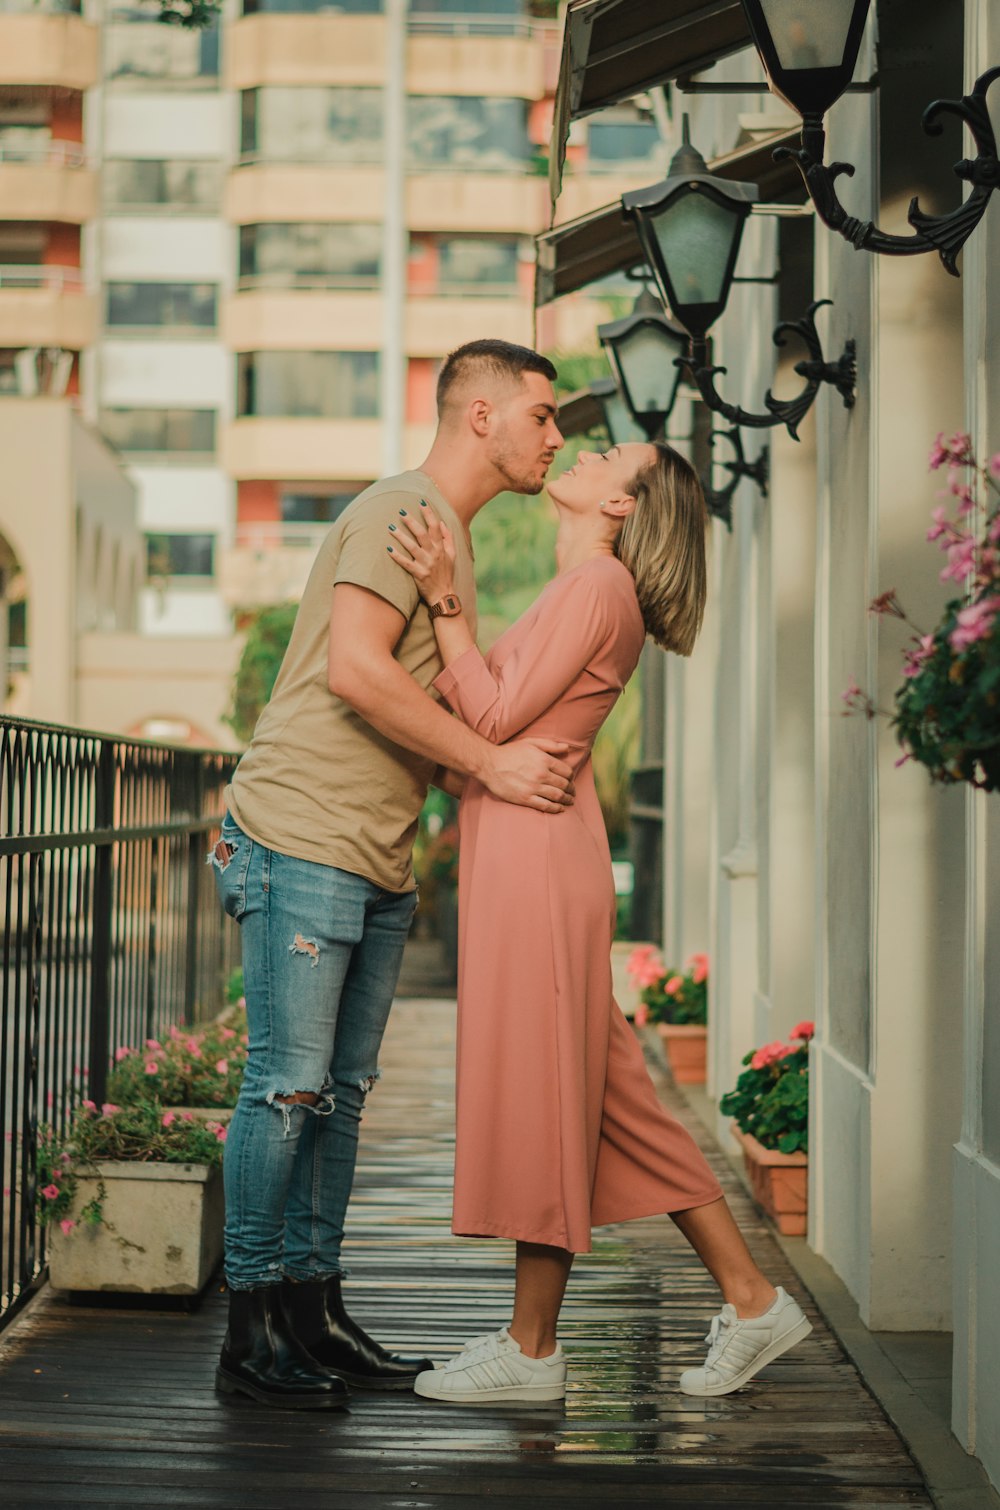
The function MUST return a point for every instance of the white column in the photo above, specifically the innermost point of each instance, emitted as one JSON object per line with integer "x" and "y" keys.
{"x": 394, "y": 248}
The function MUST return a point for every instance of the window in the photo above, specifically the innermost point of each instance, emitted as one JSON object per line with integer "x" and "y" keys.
{"x": 475, "y": 264}
{"x": 314, "y": 508}
{"x": 458, "y": 131}
{"x": 310, "y": 7}
{"x": 156, "y": 304}
{"x": 180, "y": 555}
{"x": 138, "y": 49}
{"x": 312, "y": 125}
{"x": 186, "y": 430}
{"x": 322, "y": 384}
{"x": 152, "y": 181}
{"x": 317, "y": 256}
{"x": 621, "y": 136}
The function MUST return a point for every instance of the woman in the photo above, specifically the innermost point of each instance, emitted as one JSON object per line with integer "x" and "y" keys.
{"x": 558, "y": 1126}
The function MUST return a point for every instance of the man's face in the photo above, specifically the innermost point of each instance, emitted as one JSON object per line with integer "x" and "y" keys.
{"x": 525, "y": 438}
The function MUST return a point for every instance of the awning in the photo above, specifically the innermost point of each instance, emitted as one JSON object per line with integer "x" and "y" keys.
{"x": 572, "y": 255}
{"x": 614, "y": 49}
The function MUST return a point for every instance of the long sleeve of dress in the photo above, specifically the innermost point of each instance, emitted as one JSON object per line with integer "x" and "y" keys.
{"x": 499, "y": 702}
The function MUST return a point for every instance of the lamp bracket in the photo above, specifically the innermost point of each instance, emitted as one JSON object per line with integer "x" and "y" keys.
{"x": 842, "y": 374}
{"x": 720, "y": 500}
{"x": 945, "y": 234}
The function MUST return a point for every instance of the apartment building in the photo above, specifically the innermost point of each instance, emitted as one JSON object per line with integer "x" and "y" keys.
{"x": 242, "y": 253}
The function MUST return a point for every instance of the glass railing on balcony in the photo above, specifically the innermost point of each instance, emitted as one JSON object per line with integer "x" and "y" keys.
{"x": 274, "y": 534}
{"x": 16, "y": 275}
{"x": 43, "y": 154}
{"x": 40, "y": 7}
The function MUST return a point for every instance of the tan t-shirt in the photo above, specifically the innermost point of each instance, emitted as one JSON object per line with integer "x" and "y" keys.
{"x": 318, "y": 782}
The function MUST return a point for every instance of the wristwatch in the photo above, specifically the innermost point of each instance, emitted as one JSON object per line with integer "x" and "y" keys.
{"x": 446, "y": 607}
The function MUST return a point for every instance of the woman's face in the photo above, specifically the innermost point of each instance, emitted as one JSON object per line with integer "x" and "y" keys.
{"x": 597, "y": 477}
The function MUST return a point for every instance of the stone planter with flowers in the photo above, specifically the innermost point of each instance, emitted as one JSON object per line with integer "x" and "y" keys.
{"x": 132, "y": 1198}
{"x": 676, "y": 1001}
{"x": 770, "y": 1107}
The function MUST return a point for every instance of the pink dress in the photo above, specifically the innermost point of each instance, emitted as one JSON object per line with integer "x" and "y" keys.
{"x": 558, "y": 1125}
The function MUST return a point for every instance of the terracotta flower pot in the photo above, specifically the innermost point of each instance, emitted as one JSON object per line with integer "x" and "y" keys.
{"x": 685, "y": 1043}
{"x": 779, "y": 1181}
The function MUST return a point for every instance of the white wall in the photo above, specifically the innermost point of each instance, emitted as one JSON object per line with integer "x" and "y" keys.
{"x": 167, "y": 125}
{"x": 163, "y": 373}
{"x": 137, "y": 248}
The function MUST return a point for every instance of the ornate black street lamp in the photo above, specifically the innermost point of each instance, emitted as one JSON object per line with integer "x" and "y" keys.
{"x": 643, "y": 349}
{"x": 809, "y": 49}
{"x": 690, "y": 227}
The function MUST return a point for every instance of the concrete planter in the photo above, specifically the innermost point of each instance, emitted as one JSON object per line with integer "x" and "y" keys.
{"x": 779, "y": 1181}
{"x": 685, "y": 1044}
{"x": 162, "y": 1233}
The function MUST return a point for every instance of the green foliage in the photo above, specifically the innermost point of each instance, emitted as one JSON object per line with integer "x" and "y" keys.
{"x": 616, "y": 751}
{"x": 192, "y": 14}
{"x": 191, "y": 1067}
{"x": 948, "y": 715}
{"x": 234, "y": 987}
{"x": 263, "y": 652}
{"x": 771, "y": 1099}
{"x": 687, "y": 1002}
{"x": 143, "y": 1133}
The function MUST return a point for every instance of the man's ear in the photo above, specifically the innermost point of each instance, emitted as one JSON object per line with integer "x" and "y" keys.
{"x": 619, "y": 505}
{"x": 479, "y": 415}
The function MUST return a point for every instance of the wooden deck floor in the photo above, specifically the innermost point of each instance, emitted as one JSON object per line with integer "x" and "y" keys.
{"x": 116, "y": 1407}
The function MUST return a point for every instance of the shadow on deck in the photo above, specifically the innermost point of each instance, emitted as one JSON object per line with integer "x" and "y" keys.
{"x": 117, "y": 1407}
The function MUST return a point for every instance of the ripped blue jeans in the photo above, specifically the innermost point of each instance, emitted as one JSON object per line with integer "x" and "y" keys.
{"x": 321, "y": 956}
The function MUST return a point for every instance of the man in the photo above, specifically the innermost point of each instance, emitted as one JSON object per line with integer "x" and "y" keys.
{"x": 314, "y": 861}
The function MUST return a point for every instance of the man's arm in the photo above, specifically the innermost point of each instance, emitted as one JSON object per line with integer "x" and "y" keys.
{"x": 364, "y": 631}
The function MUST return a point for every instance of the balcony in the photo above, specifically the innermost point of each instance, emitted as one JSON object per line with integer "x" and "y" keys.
{"x": 311, "y": 450}
{"x": 435, "y": 324}
{"x": 304, "y": 49}
{"x": 476, "y": 202}
{"x": 46, "y": 306}
{"x": 302, "y": 319}
{"x": 269, "y": 563}
{"x": 259, "y": 192}
{"x": 302, "y": 449}
{"x": 48, "y": 183}
{"x": 57, "y": 51}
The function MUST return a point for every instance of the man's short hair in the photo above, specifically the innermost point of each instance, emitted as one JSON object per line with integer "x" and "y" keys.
{"x": 490, "y": 360}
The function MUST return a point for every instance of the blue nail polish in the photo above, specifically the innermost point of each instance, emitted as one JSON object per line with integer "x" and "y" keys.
{"x": 393, "y": 528}
{"x": 389, "y": 549}
{"x": 423, "y": 503}
{"x": 403, "y": 513}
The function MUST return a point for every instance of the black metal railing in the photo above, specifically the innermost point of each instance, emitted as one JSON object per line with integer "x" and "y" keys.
{"x": 111, "y": 932}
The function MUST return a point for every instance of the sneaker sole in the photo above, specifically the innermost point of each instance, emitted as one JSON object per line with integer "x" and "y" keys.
{"x": 487, "y": 1396}
{"x": 226, "y": 1384}
{"x": 800, "y": 1330}
{"x": 361, "y": 1381}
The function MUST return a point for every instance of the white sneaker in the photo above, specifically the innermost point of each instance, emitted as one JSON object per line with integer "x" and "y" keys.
{"x": 738, "y": 1347}
{"x": 494, "y": 1368}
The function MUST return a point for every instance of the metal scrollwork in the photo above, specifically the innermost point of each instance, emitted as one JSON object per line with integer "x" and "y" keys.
{"x": 944, "y": 234}
{"x": 842, "y": 374}
{"x": 720, "y": 500}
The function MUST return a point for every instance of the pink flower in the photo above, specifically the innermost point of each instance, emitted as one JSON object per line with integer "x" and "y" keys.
{"x": 151, "y": 1067}
{"x": 940, "y": 526}
{"x": 673, "y": 985}
{"x": 218, "y": 1129}
{"x": 66, "y": 1225}
{"x": 121, "y": 1053}
{"x": 51, "y": 1192}
{"x": 850, "y": 692}
{"x": 917, "y": 655}
{"x": 974, "y": 623}
{"x": 993, "y": 533}
{"x": 994, "y": 464}
{"x": 242, "y": 1002}
{"x": 699, "y": 968}
{"x": 89, "y": 1106}
{"x": 641, "y": 1015}
{"x": 192, "y": 1048}
{"x": 64, "y": 1158}
{"x": 886, "y": 603}
{"x": 167, "y": 1118}
{"x": 938, "y": 453}
{"x": 187, "y": 1116}
{"x": 222, "y": 1065}
{"x": 961, "y": 558}
{"x": 226, "y": 1033}
{"x": 154, "y": 1044}
{"x": 803, "y": 1030}
{"x": 109, "y": 1108}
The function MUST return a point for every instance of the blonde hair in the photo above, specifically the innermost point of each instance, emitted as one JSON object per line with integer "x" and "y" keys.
{"x": 662, "y": 543}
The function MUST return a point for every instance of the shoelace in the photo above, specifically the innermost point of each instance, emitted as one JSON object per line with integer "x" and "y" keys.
{"x": 717, "y": 1337}
{"x": 479, "y": 1350}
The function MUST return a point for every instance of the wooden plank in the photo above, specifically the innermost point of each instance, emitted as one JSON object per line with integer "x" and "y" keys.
{"x": 117, "y": 1406}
